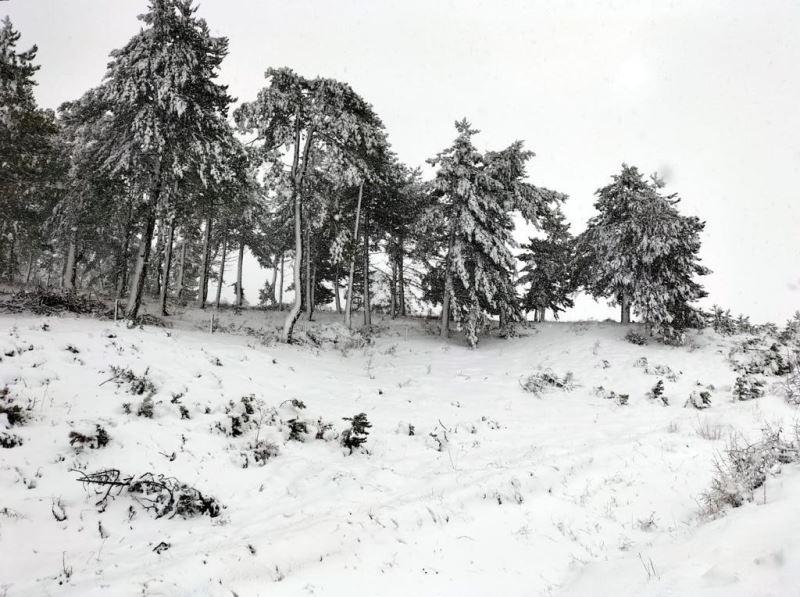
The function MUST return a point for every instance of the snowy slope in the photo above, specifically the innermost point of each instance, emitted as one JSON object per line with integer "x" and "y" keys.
{"x": 566, "y": 493}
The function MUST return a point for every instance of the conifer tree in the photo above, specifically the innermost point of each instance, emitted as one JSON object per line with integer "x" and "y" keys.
{"x": 29, "y": 161}
{"x": 167, "y": 115}
{"x": 475, "y": 196}
{"x": 548, "y": 268}
{"x": 642, "y": 253}
{"x": 303, "y": 116}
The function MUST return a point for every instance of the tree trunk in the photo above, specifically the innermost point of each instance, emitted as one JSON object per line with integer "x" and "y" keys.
{"x": 181, "y": 269}
{"x": 280, "y": 290}
{"x": 542, "y": 314}
{"x": 12, "y": 259}
{"x": 167, "y": 263}
{"x": 71, "y": 267}
{"x": 367, "y": 305}
{"x": 239, "y": 267}
{"x": 273, "y": 287}
{"x": 401, "y": 280}
{"x": 312, "y": 293}
{"x": 298, "y": 174}
{"x": 143, "y": 257}
{"x": 202, "y": 290}
{"x": 294, "y": 312}
{"x": 393, "y": 290}
{"x": 448, "y": 284}
{"x": 31, "y": 260}
{"x": 336, "y": 297}
{"x": 309, "y": 281}
{"x": 159, "y": 254}
{"x": 348, "y": 310}
{"x": 221, "y": 271}
{"x": 625, "y": 309}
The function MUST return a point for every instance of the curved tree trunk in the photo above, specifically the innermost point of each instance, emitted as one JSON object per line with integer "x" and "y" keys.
{"x": 143, "y": 257}
{"x": 294, "y": 312}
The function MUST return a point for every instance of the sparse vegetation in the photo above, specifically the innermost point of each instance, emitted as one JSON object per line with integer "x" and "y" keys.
{"x": 538, "y": 383}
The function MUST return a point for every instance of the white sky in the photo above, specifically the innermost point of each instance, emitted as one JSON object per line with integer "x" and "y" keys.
{"x": 705, "y": 92}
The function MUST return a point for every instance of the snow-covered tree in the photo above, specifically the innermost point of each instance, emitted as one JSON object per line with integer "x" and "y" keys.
{"x": 642, "y": 253}
{"x": 547, "y": 273}
{"x": 29, "y": 164}
{"x": 303, "y": 116}
{"x": 475, "y": 195}
{"x": 167, "y": 115}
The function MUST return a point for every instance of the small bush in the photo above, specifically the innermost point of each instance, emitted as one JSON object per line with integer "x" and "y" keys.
{"x": 356, "y": 435}
{"x": 259, "y": 452}
{"x": 748, "y": 387}
{"x": 621, "y": 399}
{"x": 742, "y": 469}
{"x": 9, "y": 440}
{"x": 538, "y": 383}
{"x": 146, "y": 408}
{"x": 137, "y": 384}
{"x": 699, "y": 400}
{"x": 298, "y": 430}
{"x": 635, "y": 337}
{"x": 93, "y": 441}
{"x": 657, "y": 393}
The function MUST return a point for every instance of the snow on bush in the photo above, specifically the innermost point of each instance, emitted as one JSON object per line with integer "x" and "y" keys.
{"x": 93, "y": 441}
{"x": 748, "y": 387}
{"x": 538, "y": 383}
{"x": 160, "y": 495}
{"x": 744, "y": 468}
{"x": 635, "y": 337}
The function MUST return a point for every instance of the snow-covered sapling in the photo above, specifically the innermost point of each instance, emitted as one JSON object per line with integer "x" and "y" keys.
{"x": 356, "y": 435}
{"x": 657, "y": 393}
{"x": 748, "y": 387}
{"x": 93, "y": 441}
{"x": 635, "y": 337}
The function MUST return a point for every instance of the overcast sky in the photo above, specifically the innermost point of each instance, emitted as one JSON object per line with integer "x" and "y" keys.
{"x": 706, "y": 93}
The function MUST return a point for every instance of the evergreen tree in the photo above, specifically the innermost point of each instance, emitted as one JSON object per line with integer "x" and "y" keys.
{"x": 29, "y": 159}
{"x": 548, "y": 268}
{"x": 167, "y": 115}
{"x": 475, "y": 196}
{"x": 642, "y": 253}
{"x": 303, "y": 116}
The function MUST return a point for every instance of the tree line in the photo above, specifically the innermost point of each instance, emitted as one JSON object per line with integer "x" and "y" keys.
{"x": 145, "y": 182}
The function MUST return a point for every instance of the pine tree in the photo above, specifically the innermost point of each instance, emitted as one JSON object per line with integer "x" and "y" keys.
{"x": 642, "y": 253}
{"x": 547, "y": 269}
{"x": 30, "y": 167}
{"x": 304, "y": 116}
{"x": 167, "y": 115}
{"x": 475, "y": 196}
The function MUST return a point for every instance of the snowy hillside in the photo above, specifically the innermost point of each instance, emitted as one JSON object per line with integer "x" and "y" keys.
{"x": 467, "y": 484}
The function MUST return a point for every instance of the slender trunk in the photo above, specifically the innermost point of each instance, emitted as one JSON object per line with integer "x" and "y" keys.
{"x": 298, "y": 175}
{"x": 393, "y": 290}
{"x": 167, "y": 263}
{"x": 448, "y": 284}
{"x": 348, "y": 310}
{"x": 502, "y": 321}
{"x": 71, "y": 267}
{"x": 294, "y": 312}
{"x": 274, "y": 297}
{"x": 336, "y": 297}
{"x": 401, "y": 280}
{"x": 221, "y": 271}
{"x": 542, "y": 313}
{"x": 12, "y": 259}
{"x": 202, "y": 290}
{"x": 625, "y": 308}
{"x": 239, "y": 267}
{"x": 31, "y": 260}
{"x": 280, "y": 290}
{"x": 159, "y": 255}
{"x": 143, "y": 257}
{"x": 309, "y": 281}
{"x": 181, "y": 269}
{"x": 312, "y": 292}
{"x": 367, "y": 305}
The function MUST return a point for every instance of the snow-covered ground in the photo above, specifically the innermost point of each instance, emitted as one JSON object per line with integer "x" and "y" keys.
{"x": 497, "y": 492}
